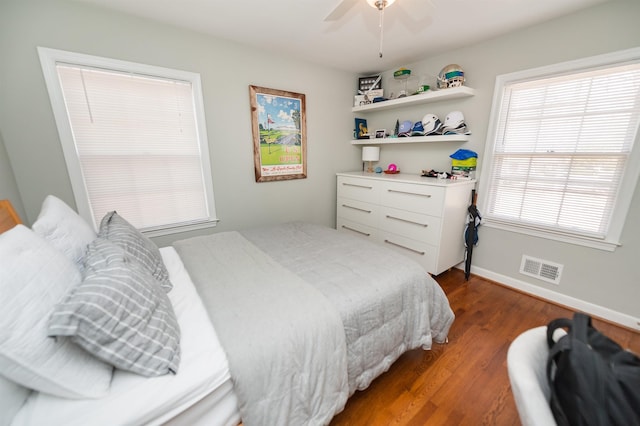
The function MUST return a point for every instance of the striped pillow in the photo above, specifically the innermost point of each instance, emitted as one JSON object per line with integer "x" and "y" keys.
{"x": 117, "y": 230}
{"x": 120, "y": 314}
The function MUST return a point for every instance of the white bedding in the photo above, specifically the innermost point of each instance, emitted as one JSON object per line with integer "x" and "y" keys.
{"x": 387, "y": 303}
{"x": 284, "y": 340}
{"x": 308, "y": 315}
{"x": 136, "y": 400}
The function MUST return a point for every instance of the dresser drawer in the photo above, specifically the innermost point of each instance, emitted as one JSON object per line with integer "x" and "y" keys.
{"x": 359, "y": 189}
{"x": 357, "y": 229}
{"x": 358, "y": 211}
{"x": 412, "y": 225}
{"x": 420, "y": 251}
{"x": 413, "y": 197}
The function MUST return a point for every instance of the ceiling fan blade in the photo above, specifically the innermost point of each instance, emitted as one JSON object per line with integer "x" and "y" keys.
{"x": 418, "y": 10}
{"x": 340, "y": 10}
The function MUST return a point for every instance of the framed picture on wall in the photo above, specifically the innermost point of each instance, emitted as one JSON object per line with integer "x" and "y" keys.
{"x": 278, "y": 125}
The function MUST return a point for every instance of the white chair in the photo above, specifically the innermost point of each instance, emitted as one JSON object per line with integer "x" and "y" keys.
{"x": 527, "y": 367}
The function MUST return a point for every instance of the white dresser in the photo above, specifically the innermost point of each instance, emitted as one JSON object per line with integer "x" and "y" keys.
{"x": 421, "y": 217}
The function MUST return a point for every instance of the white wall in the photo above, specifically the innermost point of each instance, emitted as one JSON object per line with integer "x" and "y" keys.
{"x": 8, "y": 186}
{"x": 604, "y": 283}
{"x": 226, "y": 69}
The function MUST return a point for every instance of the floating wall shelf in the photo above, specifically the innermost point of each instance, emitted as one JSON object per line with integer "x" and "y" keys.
{"x": 426, "y": 97}
{"x": 412, "y": 139}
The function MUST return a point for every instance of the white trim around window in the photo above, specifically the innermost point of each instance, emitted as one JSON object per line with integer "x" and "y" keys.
{"x": 101, "y": 146}
{"x": 544, "y": 133}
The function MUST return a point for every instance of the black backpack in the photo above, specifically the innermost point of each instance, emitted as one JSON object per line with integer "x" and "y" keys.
{"x": 593, "y": 380}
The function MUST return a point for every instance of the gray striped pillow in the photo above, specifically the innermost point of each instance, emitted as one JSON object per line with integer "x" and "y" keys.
{"x": 120, "y": 314}
{"x": 117, "y": 230}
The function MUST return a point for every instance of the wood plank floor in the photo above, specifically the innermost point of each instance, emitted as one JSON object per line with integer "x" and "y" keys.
{"x": 464, "y": 382}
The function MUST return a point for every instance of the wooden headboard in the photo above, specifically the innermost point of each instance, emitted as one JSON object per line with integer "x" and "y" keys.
{"x": 8, "y": 216}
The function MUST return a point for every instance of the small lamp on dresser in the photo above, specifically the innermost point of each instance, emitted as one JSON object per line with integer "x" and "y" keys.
{"x": 370, "y": 154}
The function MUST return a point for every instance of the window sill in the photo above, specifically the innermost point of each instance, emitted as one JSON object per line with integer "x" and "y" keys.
{"x": 176, "y": 229}
{"x": 565, "y": 238}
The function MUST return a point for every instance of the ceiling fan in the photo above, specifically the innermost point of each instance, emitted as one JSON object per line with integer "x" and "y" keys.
{"x": 346, "y": 5}
{"x": 413, "y": 15}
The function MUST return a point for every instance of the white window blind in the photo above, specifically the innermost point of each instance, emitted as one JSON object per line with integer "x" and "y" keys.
{"x": 137, "y": 144}
{"x": 561, "y": 148}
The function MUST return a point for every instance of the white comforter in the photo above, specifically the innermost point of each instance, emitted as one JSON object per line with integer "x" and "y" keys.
{"x": 284, "y": 340}
{"x": 388, "y": 304}
{"x": 308, "y": 315}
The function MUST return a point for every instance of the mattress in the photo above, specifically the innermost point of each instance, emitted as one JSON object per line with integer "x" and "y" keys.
{"x": 203, "y": 379}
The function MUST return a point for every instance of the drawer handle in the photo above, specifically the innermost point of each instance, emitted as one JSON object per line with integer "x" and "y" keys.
{"x": 357, "y": 186}
{"x": 355, "y": 230}
{"x": 409, "y": 193}
{"x": 356, "y": 208}
{"x": 421, "y": 253}
{"x": 424, "y": 225}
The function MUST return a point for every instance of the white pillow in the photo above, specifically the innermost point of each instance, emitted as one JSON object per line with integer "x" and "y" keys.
{"x": 34, "y": 276}
{"x": 63, "y": 228}
{"x": 12, "y": 398}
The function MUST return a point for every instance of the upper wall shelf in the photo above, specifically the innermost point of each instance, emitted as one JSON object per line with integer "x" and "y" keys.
{"x": 412, "y": 139}
{"x": 430, "y": 96}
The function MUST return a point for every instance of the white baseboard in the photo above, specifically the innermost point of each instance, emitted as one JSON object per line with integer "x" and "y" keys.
{"x": 555, "y": 297}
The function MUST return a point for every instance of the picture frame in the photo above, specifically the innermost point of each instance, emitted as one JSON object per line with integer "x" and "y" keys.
{"x": 361, "y": 130}
{"x": 381, "y": 133}
{"x": 279, "y": 129}
{"x": 369, "y": 83}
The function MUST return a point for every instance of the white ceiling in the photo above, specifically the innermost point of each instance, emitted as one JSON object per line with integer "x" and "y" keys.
{"x": 413, "y": 29}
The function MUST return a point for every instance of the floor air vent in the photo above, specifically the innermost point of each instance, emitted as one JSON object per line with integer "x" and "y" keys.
{"x": 541, "y": 269}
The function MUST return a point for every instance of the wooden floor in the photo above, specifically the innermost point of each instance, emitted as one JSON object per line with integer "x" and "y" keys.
{"x": 464, "y": 382}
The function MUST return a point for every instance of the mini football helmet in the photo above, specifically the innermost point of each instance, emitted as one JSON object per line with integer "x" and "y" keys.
{"x": 451, "y": 76}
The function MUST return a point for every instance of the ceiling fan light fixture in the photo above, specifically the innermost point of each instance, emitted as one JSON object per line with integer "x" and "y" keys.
{"x": 380, "y": 4}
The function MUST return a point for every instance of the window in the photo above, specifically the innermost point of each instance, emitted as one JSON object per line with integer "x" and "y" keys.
{"x": 134, "y": 140}
{"x": 560, "y": 157}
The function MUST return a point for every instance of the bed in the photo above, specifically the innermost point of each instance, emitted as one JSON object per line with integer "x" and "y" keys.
{"x": 277, "y": 325}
